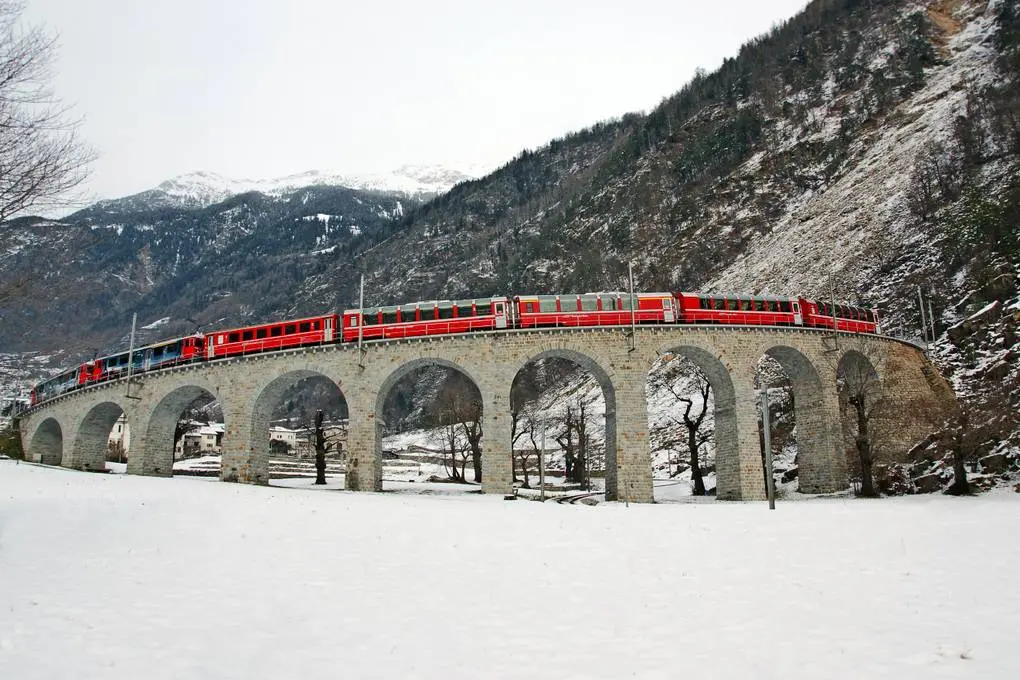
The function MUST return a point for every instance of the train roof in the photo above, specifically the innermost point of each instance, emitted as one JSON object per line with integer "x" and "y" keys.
{"x": 426, "y": 303}
{"x": 602, "y": 293}
{"x": 263, "y": 325}
{"x": 739, "y": 296}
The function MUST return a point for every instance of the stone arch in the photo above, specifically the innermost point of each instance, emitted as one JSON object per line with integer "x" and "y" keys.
{"x": 157, "y": 454}
{"x": 727, "y": 443}
{"x": 821, "y": 467}
{"x": 608, "y": 391}
{"x": 390, "y": 381}
{"x": 47, "y": 443}
{"x": 91, "y": 442}
{"x": 856, "y": 357}
{"x": 261, "y": 416}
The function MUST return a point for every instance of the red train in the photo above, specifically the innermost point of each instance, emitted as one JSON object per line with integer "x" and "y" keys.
{"x": 443, "y": 317}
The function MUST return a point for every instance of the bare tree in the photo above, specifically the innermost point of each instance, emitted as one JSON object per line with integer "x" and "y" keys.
{"x": 322, "y": 443}
{"x": 689, "y": 387}
{"x": 41, "y": 157}
{"x": 973, "y": 426}
{"x": 531, "y": 423}
{"x": 574, "y": 440}
{"x": 861, "y": 390}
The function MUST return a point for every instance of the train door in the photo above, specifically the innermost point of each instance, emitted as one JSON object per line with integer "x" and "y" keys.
{"x": 499, "y": 309}
{"x": 328, "y": 329}
{"x": 147, "y": 360}
{"x": 668, "y": 314}
{"x": 797, "y": 318}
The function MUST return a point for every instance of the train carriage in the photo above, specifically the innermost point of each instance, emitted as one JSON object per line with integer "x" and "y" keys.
{"x": 436, "y": 317}
{"x": 314, "y": 330}
{"x": 841, "y": 317}
{"x": 755, "y": 310}
{"x": 55, "y": 386}
{"x": 593, "y": 309}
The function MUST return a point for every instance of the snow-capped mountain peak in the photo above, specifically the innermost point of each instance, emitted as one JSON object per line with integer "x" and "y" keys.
{"x": 201, "y": 188}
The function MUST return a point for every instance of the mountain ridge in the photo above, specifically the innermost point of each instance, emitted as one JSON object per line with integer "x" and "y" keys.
{"x": 201, "y": 189}
{"x": 722, "y": 186}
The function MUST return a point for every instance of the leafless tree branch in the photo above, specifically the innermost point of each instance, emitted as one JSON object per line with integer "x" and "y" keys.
{"x": 42, "y": 160}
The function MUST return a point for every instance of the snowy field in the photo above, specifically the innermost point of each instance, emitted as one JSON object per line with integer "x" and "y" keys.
{"x": 116, "y": 576}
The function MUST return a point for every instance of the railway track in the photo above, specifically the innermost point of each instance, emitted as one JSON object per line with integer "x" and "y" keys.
{"x": 573, "y": 498}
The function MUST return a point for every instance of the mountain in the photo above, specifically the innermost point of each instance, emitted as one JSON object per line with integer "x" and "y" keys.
{"x": 858, "y": 150}
{"x": 196, "y": 190}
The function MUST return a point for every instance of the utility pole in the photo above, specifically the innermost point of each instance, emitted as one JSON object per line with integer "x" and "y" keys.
{"x": 541, "y": 466}
{"x": 931, "y": 320}
{"x": 766, "y": 430}
{"x": 924, "y": 323}
{"x": 835, "y": 323}
{"x": 633, "y": 312}
{"x": 131, "y": 355}
{"x": 361, "y": 320}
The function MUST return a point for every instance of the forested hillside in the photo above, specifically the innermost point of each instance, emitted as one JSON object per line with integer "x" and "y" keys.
{"x": 861, "y": 148}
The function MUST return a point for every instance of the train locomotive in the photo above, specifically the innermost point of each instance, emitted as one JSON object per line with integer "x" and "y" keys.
{"x": 445, "y": 317}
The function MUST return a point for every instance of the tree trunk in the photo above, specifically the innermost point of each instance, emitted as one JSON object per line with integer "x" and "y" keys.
{"x": 960, "y": 485}
{"x": 320, "y": 450}
{"x": 474, "y": 436}
{"x": 696, "y": 476}
{"x": 863, "y": 443}
{"x": 476, "y": 462}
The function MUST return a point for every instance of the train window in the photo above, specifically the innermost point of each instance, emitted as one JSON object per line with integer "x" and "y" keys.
{"x": 589, "y": 303}
{"x": 234, "y": 337}
{"x": 247, "y": 335}
{"x": 260, "y": 333}
{"x": 290, "y": 329}
{"x": 464, "y": 308}
{"x": 157, "y": 352}
{"x": 276, "y": 331}
{"x": 547, "y": 304}
{"x": 389, "y": 315}
{"x": 446, "y": 311}
{"x": 315, "y": 325}
{"x": 305, "y": 327}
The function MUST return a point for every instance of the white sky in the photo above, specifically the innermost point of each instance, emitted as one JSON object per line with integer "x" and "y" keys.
{"x": 258, "y": 89}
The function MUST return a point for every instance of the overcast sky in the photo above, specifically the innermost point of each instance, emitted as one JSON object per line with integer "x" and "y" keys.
{"x": 259, "y": 88}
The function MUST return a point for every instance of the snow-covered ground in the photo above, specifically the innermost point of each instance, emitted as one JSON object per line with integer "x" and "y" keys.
{"x": 116, "y": 576}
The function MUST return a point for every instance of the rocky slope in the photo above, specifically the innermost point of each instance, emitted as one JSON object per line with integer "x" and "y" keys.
{"x": 860, "y": 149}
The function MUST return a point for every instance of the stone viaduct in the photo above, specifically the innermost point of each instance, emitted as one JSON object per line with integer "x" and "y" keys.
{"x": 72, "y": 430}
